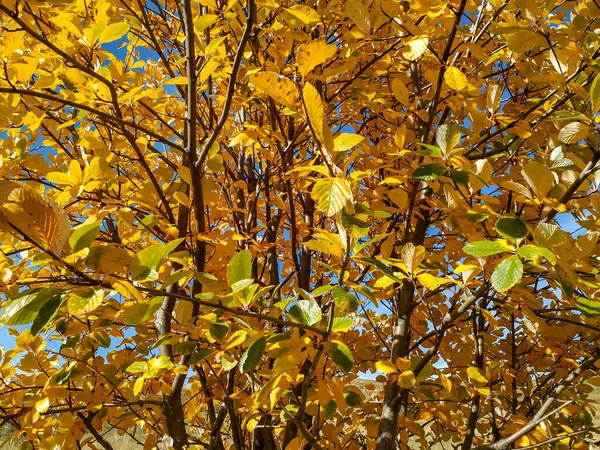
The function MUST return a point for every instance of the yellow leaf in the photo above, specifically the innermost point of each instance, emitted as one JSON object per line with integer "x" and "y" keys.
{"x": 415, "y": 47}
{"x": 476, "y": 375}
{"x": 406, "y": 379}
{"x": 446, "y": 383}
{"x": 182, "y": 370}
{"x": 204, "y": 21}
{"x": 400, "y": 92}
{"x": 41, "y": 406}
{"x": 455, "y": 78}
{"x": 312, "y": 54}
{"x": 113, "y": 32}
{"x": 402, "y": 364}
{"x": 386, "y": 367}
{"x": 359, "y": 14}
{"x": 493, "y": 99}
{"x": 236, "y": 339}
{"x": 345, "y": 141}
{"x": 282, "y": 89}
{"x": 316, "y": 116}
{"x": 137, "y": 387}
{"x": 539, "y": 177}
{"x": 412, "y": 256}
{"x": 428, "y": 281}
{"x": 127, "y": 290}
{"x": 573, "y": 133}
{"x": 331, "y": 195}
{"x": 299, "y": 15}
{"x": 176, "y": 80}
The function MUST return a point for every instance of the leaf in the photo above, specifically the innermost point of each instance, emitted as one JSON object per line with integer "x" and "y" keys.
{"x": 447, "y": 137}
{"x": 23, "y": 308}
{"x": 412, "y": 256}
{"x": 359, "y": 14}
{"x": 316, "y": 116}
{"x": 508, "y": 273}
{"x": 41, "y": 406}
{"x": 299, "y": 15}
{"x": 340, "y": 354}
{"x": 428, "y": 172}
{"x": 415, "y": 47}
{"x": 511, "y": 227}
{"x": 400, "y": 92}
{"x": 84, "y": 234}
{"x": 344, "y": 300}
{"x": 312, "y": 54}
{"x": 146, "y": 263}
{"x": 240, "y": 267}
{"x": 331, "y": 195}
{"x": 573, "y": 133}
{"x": 280, "y": 88}
{"x": 485, "y": 248}
{"x": 352, "y": 398}
{"x": 406, "y": 379}
{"x": 539, "y": 178}
{"x": 307, "y": 312}
{"x": 549, "y": 235}
{"x": 84, "y": 300}
{"x": 589, "y": 308}
{"x": 475, "y": 374}
{"x": 595, "y": 94}
{"x": 494, "y": 98}
{"x": 113, "y": 32}
{"x": 252, "y": 356}
{"x": 533, "y": 252}
{"x": 346, "y": 141}
{"x": 386, "y": 367}
{"x": 46, "y": 314}
{"x": 203, "y": 21}
{"x": 455, "y": 78}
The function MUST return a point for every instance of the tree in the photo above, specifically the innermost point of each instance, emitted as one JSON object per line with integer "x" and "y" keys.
{"x": 219, "y": 217}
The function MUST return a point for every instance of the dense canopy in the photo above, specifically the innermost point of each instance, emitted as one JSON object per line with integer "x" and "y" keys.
{"x": 330, "y": 224}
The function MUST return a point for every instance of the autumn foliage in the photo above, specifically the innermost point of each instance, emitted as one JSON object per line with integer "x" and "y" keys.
{"x": 330, "y": 224}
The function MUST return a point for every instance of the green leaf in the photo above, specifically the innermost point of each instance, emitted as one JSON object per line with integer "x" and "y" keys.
{"x": 340, "y": 354}
{"x": 595, "y": 94}
{"x": 83, "y": 235}
{"x": 344, "y": 300}
{"x": 46, "y": 314}
{"x": 306, "y": 311}
{"x": 428, "y": 172}
{"x": 146, "y": 263}
{"x": 511, "y": 227}
{"x": 447, "y": 137}
{"x": 200, "y": 355}
{"x": 252, "y": 356}
{"x": 342, "y": 324}
{"x": 352, "y": 398}
{"x": 532, "y": 252}
{"x": 240, "y": 267}
{"x": 137, "y": 367}
{"x": 24, "y": 308}
{"x": 485, "y": 248}
{"x": 508, "y": 273}
{"x": 461, "y": 176}
{"x": 589, "y": 308}
{"x": 331, "y": 195}
{"x": 141, "y": 311}
{"x": 430, "y": 150}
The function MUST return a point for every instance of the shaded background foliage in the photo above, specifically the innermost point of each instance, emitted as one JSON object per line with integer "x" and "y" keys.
{"x": 216, "y": 216}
